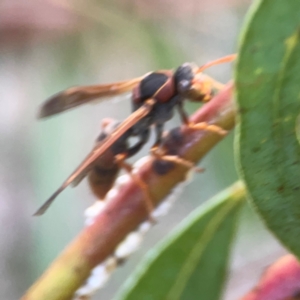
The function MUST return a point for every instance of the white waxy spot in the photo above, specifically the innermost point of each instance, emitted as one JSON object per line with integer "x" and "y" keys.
{"x": 92, "y": 212}
{"x": 111, "y": 194}
{"x": 98, "y": 278}
{"x": 129, "y": 245}
{"x": 121, "y": 180}
{"x": 111, "y": 264}
{"x": 144, "y": 227}
{"x": 165, "y": 206}
{"x": 102, "y": 273}
{"x": 84, "y": 291}
{"x": 162, "y": 209}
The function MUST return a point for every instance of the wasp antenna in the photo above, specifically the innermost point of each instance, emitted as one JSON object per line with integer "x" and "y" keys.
{"x": 46, "y": 205}
{"x": 221, "y": 60}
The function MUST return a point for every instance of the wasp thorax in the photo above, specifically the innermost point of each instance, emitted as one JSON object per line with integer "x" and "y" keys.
{"x": 183, "y": 78}
{"x": 151, "y": 84}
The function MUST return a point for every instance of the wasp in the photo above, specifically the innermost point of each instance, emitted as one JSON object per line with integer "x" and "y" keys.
{"x": 103, "y": 171}
{"x": 154, "y": 97}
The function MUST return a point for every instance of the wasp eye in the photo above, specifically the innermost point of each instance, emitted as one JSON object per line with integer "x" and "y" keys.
{"x": 183, "y": 86}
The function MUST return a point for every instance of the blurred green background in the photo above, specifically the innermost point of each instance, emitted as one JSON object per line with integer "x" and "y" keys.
{"x": 47, "y": 46}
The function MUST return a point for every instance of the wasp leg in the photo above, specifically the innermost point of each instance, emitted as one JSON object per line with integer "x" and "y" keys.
{"x": 201, "y": 125}
{"x": 120, "y": 160}
{"x": 183, "y": 115}
{"x": 158, "y": 154}
{"x": 159, "y": 132}
{"x": 208, "y": 127}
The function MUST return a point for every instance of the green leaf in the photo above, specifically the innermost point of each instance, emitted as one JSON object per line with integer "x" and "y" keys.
{"x": 298, "y": 128}
{"x": 268, "y": 96}
{"x": 192, "y": 262}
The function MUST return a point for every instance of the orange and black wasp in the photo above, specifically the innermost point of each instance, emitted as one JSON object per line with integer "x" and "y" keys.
{"x": 154, "y": 97}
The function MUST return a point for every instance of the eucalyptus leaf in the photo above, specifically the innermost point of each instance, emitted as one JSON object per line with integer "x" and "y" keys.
{"x": 191, "y": 263}
{"x": 268, "y": 97}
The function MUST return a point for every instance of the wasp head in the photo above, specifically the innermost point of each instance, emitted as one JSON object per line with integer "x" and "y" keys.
{"x": 183, "y": 78}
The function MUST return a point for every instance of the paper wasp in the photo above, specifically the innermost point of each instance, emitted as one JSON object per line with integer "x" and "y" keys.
{"x": 154, "y": 97}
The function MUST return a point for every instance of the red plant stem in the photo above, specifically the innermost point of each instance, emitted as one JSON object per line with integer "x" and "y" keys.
{"x": 126, "y": 210}
{"x": 281, "y": 281}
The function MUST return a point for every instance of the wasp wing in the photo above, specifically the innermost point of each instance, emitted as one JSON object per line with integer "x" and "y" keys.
{"x": 76, "y": 96}
{"x": 83, "y": 174}
{"x": 79, "y": 178}
{"x": 99, "y": 150}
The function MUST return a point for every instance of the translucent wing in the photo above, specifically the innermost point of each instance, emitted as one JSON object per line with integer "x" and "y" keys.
{"x": 84, "y": 173}
{"x": 79, "y": 178}
{"x": 97, "y": 151}
{"x": 76, "y": 96}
